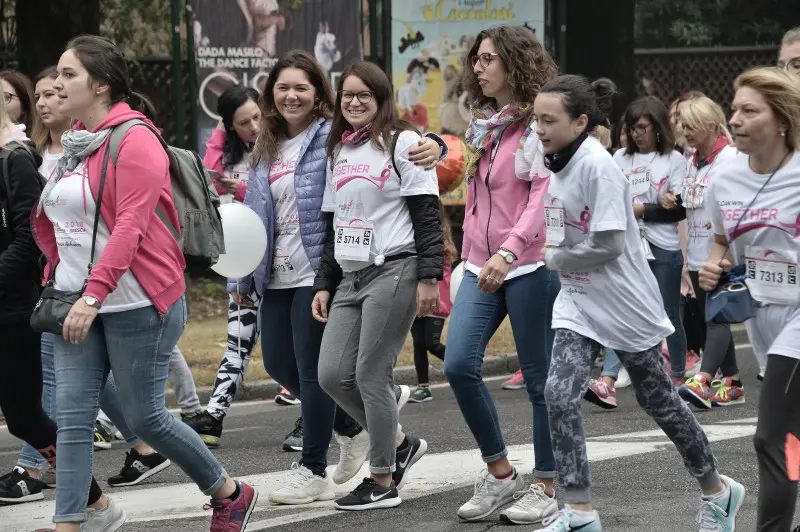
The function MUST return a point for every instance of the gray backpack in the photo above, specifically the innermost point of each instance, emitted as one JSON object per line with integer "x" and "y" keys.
{"x": 196, "y": 200}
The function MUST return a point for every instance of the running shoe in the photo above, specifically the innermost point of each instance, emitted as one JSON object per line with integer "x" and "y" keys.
{"x": 408, "y": 454}
{"x": 402, "y": 393}
{"x": 601, "y": 394}
{"x": 352, "y": 455}
{"x": 533, "y": 506}
{"x": 697, "y": 392}
{"x": 728, "y": 392}
{"x": 286, "y": 398}
{"x": 302, "y": 487}
{"x": 18, "y": 487}
{"x": 568, "y": 521}
{"x": 48, "y": 477}
{"x": 109, "y": 519}
{"x": 490, "y": 494}
{"x": 294, "y": 440}
{"x": 717, "y": 515}
{"x": 208, "y": 427}
{"x": 516, "y": 382}
{"x": 102, "y": 438}
{"x": 232, "y": 515}
{"x": 422, "y": 394}
{"x": 693, "y": 363}
{"x": 369, "y": 495}
{"x": 623, "y": 379}
{"x": 191, "y": 415}
{"x": 760, "y": 376}
{"x": 677, "y": 382}
{"x": 139, "y": 467}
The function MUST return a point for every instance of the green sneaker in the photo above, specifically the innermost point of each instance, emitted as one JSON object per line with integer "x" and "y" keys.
{"x": 422, "y": 394}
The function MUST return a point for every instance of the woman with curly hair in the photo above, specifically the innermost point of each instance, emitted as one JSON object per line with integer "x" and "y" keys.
{"x": 504, "y": 230}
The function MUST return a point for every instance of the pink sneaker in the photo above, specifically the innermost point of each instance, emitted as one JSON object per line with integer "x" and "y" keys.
{"x": 516, "y": 382}
{"x": 693, "y": 362}
{"x": 601, "y": 394}
{"x": 233, "y": 515}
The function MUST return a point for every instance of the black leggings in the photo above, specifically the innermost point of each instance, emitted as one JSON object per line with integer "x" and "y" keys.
{"x": 719, "y": 351}
{"x": 777, "y": 443}
{"x": 427, "y": 335}
{"x": 21, "y": 392}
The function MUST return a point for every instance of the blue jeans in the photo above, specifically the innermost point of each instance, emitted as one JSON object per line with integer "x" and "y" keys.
{"x": 611, "y": 365}
{"x": 667, "y": 270}
{"x": 30, "y": 458}
{"x": 290, "y": 343}
{"x": 528, "y": 301}
{"x": 136, "y": 345}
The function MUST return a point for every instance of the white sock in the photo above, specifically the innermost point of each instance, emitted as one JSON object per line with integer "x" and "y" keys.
{"x": 583, "y": 515}
{"x": 721, "y": 495}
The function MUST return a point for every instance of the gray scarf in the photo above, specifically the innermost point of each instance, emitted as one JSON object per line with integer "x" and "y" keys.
{"x": 77, "y": 146}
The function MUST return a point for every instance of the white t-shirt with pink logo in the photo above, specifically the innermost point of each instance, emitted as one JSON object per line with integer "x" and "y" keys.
{"x": 71, "y": 207}
{"x": 363, "y": 190}
{"x": 767, "y": 241}
{"x": 664, "y": 173}
{"x": 619, "y": 304}
{"x": 290, "y": 265}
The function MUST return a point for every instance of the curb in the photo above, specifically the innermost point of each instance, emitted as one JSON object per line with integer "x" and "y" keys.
{"x": 267, "y": 389}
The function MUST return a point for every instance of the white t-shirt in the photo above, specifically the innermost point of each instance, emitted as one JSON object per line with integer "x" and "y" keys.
{"x": 663, "y": 173}
{"x": 71, "y": 207}
{"x": 290, "y": 265}
{"x": 767, "y": 242}
{"x": 49, "y": 163}
{"x": 619, "y": 304}
{"x": 698, "y": 209}
{"x": 371, "y": 219}
{"x": 240, "y": 171}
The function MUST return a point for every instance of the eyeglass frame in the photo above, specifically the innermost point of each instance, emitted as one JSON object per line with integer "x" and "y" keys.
{"x": 355, "y": 95}
{"x": 792, "y": 65}
{"x": 479, "y": 57}
{"x": 640, "y": 129}
{"x": 8, "y": 97}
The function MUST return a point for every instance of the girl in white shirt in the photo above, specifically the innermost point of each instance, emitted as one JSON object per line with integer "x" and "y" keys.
{"x": 756, "y": 214}
{"x": 607, "y": 298}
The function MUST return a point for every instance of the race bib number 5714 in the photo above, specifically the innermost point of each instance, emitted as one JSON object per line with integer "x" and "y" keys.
{"x": 353, "y": 243}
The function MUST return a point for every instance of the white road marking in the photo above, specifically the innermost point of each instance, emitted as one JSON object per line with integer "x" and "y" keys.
{"x": 434, "y": 473}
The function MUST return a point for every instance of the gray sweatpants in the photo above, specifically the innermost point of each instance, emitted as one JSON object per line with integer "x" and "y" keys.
{"x": 368, "y": 323}
{"x": 570, "y": 369}
{"x": 180, "y": 376}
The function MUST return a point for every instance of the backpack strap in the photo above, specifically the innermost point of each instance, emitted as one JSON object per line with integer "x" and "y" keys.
{"x": 395, "y": 137}
{"x": 115, "y": 139}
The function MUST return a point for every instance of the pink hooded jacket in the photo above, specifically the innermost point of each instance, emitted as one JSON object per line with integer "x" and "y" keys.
{"x": 213, "y": 161}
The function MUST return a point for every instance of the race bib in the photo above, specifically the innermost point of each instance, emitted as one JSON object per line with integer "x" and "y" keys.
{"x": 282, "y": 270}
{"x": 640, "y": 181}
{"x": 353, "y": 243}
{"x": 694, "y": 192}
{"x": 772, "y": 276}
{"x": 554, "y": 221}
{"x": 241, "y": 176}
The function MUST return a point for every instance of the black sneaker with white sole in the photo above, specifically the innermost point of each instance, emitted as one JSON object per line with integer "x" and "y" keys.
{"x": 409, "y": 452}
{"x": 369, "y": 495}
{"x": 139, "y": 467}
{"x": 18, "y": 487}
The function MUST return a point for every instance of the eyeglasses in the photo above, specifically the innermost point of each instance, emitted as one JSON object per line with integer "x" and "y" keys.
{"x": 485, "y": 59}
{"x": 363, "y": 97}
{"x": 792, "y": 65}
{"x": 7, "y": 96}
{"x": 639, "y": 129}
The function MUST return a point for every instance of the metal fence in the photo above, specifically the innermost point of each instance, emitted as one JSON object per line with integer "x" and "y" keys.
{"x": 152, "y": 76}
{"x": 668, "y": 73}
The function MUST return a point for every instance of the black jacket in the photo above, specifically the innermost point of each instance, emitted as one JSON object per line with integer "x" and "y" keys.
{"x": 19, "y": 270}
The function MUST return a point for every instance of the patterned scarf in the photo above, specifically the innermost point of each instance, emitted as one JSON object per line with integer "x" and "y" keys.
{"x": 484, "y": 130}
{"x": 357, "y": 138}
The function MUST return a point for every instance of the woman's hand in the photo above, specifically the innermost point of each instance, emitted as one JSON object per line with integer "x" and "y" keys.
{"x": 79, "y": 320}
{"x": 543, "y": 256}
{"x": 229, "y": 185}
{"x": 221, "y": 125}
{"x": 319, "y": 307}
{"x": 242, "y": 300}
{"x": 492, "y": 274}
{"x": 427, "y": 299}
{"x": 669, "y": 201}
{"x": 710, "y": 274}
{"x": 638, "y": 210}
{"x": 687, "y": 290}
{"x": 427, "y": 154}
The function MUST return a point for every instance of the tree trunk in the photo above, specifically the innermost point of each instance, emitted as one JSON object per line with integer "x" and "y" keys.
{"x": 44, "y": 27}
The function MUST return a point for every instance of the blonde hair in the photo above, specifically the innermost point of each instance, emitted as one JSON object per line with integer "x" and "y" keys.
{"x": 704, "y": 114}
{"x": 782, "y": 93}
{"x": 5, "y": 125}
{"x": 602, "y": 134}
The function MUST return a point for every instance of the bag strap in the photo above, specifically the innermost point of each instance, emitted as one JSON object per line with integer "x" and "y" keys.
{"x": 395, "y": 137}
{"x": 99, "y": 203}
{"x": 5, "y": 193}
{"x": 736, "y": 227}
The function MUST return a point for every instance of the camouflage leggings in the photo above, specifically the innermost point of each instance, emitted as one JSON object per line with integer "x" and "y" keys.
{"x": 570, "y": 368}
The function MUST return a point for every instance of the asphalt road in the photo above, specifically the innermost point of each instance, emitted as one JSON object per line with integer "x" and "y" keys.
{"x": 639, "y": 482}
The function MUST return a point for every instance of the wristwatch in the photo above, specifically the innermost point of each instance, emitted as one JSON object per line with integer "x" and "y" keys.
{"x": 429, "y": 281}
{"x": 92, "y": 302}
{"x": 507, "y": 255}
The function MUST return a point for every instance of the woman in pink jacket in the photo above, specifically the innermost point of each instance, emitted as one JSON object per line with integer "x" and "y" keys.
{"x": 132, "y": 311}
{"x": 504, "y": 231}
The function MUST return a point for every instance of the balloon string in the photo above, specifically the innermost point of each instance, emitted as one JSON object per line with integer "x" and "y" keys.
{"x": 238, "y": 319}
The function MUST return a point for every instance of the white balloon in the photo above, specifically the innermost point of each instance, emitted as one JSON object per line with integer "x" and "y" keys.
{"x": 455, "y": 280}
{"x": 245, "y": 241}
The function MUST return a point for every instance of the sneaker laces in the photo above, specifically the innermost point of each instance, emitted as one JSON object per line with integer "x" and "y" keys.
{"x": 129, "y": 460}
{"x": 481, "y": 487}
{"x": 604, "y": 388}
{"x": 345, "y": 447}
{"x": 561, "y": 517}
{"x": 723, "y": 389}
{"x": 298, "y": 476}
{"x": 219, "y": 519}
{"x": 708, "y": 516}
{"x": 529, "y": 498}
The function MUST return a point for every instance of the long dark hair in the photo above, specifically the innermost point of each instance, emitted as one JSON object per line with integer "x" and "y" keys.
{"x": 105, "y": 63}
{"x": 275, "y": 126}
{"x": 386, "y": 121}
{"x": 24, "y": 89}
{"x": 580, "y": 97}
{"x": 655, "y": 110}
{"x": 229, "y": 101}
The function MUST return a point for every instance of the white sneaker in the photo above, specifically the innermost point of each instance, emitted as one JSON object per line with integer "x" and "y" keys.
{"x": 108, "y": 519}
{"x": 352, "y": 455}
{"x": 623, "y": 379}
{"x": 302, "y": 487}
{"x": 402, "y": 393}
{"x": 567, "y": 521}
{"x": 532, "y": 506}
{"x": 490, "y": 494}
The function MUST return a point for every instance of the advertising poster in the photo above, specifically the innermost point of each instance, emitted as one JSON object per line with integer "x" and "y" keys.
{"x": 239, "y": 41}
{"x": 430, "y": 39}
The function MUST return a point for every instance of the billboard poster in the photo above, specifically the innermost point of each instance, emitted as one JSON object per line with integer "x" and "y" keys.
{"x": 239, "y": 41}
{"x": 430, "y": 39}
